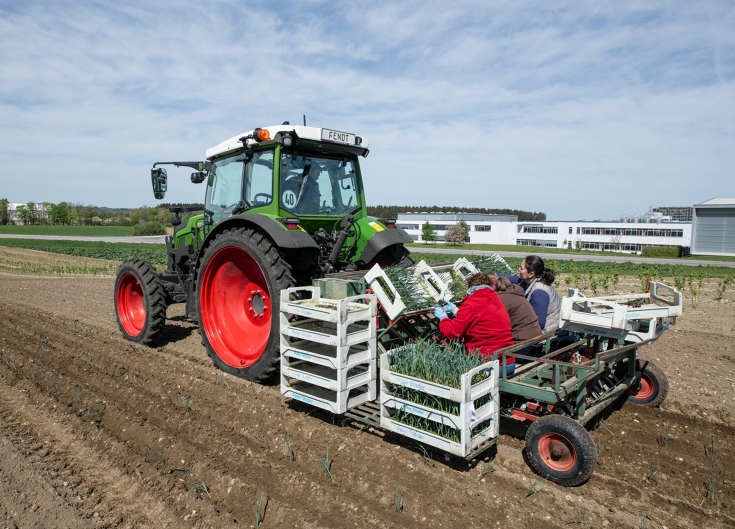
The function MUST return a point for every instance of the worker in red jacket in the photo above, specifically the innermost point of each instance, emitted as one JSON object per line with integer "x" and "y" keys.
{"x": 481, "y": 322}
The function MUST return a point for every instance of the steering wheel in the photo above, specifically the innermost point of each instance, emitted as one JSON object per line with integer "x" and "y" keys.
{"x": 267, "y": 198}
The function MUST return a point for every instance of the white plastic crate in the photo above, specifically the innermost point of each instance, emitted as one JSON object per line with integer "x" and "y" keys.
{"x": 463, "y": 422}
{"x": 464, "y": 268}
{"x": 344, "y": 311}
{"x": 385, "y": 291}
{"x": 630, "y": 317}
{"x": 329, "y": 356}
{"x": 328, "y": 349}
{"x": 336, "y": 402}
{"x": 430, "y": 281}
{"x": 343, "y": 379}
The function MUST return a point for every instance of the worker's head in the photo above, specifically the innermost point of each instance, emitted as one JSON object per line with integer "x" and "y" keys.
{"x": 499, "y": 283}
{"x": 478, "y": 279}
{"x": 533, "y": 267}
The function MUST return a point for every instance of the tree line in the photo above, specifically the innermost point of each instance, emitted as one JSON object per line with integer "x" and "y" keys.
{"x": 391, "y": 212}
{"x": 77, "y": 214}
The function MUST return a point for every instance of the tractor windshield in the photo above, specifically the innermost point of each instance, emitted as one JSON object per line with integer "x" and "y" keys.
{"x": 243, "y": 182}
{"x": 315, "y": 185}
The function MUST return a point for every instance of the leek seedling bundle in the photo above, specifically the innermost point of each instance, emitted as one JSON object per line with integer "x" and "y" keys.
{"x": 410, "y": 290}
{"x": 491, "y": 263}
{"x": 435, "y": 362}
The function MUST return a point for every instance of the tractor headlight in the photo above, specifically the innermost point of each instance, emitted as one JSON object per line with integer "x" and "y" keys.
{"x": 287, "y": 140}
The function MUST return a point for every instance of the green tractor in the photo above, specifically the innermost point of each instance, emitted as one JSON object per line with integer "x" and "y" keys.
{"x": 284, "y": 205}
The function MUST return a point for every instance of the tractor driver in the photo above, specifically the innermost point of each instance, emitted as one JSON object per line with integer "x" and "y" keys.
{"x": 308, "y": 197}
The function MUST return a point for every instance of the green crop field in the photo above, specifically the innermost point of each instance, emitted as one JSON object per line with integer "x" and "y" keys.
{"x": 155, "y": 253}
{"x": 416, "y": 247}
{"x": 88, "y": 231}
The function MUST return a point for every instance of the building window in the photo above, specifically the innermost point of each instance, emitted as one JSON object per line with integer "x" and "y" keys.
{"x": 570, "y": 230}
{"x": 408, "y": 226}
{"x": 483, "y": 228}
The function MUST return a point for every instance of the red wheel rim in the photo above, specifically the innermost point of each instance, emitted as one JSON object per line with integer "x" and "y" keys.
{"x": 130, "y": 302}
{"x": 646, "y": 390}
{"x": 236, "y": 307}
{"x": 557, "y": 452}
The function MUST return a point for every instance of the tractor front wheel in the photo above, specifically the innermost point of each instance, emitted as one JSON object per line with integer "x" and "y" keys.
{"x": 561, "y": 450}
{"x": 238, "y": 293}
{"x": 652, "y": 388}
{"x": 140, "y": 302}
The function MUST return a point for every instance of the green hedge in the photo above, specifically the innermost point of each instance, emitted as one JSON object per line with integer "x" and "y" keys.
{"x": 661, "y": 251}
{"x": 149, "y": 228}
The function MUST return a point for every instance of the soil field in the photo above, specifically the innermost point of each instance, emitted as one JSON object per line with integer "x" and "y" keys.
{"x": 98, "y": 432}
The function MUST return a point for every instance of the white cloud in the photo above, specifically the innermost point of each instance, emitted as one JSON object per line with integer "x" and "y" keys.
{"x": 578, "y": 110}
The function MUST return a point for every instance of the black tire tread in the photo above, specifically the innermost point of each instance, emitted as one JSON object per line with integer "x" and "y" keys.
{"x": 661, "y": 380}
{"x": 577, "y": 434}
{"x": 155, "y": 296}
{"x": 265, "y": 369}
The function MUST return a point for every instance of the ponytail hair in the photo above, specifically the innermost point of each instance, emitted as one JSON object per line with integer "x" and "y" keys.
{"x": 536, "y": 265}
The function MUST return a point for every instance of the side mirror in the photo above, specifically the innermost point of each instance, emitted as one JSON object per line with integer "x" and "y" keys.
{"x": 198, "y": 177}
{"x": 159, "y": 181}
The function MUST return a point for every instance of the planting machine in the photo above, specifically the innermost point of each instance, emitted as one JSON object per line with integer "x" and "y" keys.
{"x": 287, "y": 276}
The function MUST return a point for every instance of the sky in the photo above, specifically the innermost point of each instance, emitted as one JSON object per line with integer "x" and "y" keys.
{"x": 582, "y": 110}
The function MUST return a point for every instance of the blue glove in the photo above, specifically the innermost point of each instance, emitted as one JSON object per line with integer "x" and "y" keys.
{"x": 439, "y": 312}
{"x": 450, "y": 307}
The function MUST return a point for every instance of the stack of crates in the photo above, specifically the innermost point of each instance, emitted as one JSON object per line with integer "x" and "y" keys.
{"x": 328, "y": 349}
{"x": 474, "y": 425}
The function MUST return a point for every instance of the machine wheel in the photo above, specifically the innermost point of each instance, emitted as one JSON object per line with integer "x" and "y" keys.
{"x": 561, "y": 450}
{"x": 653, "y": 387}
{"x": 238, "y": 297}
{"x": 140, "y": 301}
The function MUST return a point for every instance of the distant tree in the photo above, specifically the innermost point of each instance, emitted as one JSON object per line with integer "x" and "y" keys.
{"x": 428, "y": 233}
{"x": 24, "y": 215}
{"x": 465, "y": 230}
{"x": 391, "y": 212}
{"x": 4, "y": 219}
{"x": 60, "y": 213}
{"x": 44, "y": 212}
{"x": 33, "y": 216}
{"x": 153, "y": 215}
{"x": 89, "y": 212}
{"x": 454, "y": 234}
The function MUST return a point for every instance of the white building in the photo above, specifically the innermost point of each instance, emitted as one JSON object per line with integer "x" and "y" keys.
{"x": 629, "y": 236}
{"x": 714, "y": 227}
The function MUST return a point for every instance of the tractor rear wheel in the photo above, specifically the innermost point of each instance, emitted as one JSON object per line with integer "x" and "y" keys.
{"x": 140, "y": 301}
{"x": 653, "y": 387}
{"x": 238, "y": 297}
{"x": 561, "y": 450}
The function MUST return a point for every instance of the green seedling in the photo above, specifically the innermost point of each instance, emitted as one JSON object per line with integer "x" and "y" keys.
{"x": 252, "y": 388}
{"x": 713, "y": 485}
{"x": 222, "y": 376}
{"x": 713, "y": 449}
{"x": 261, "y": 441}
{"x": 661, "y": 412}
{"x": 399, "y": 501}
{"x": 182, "y": 469}
{"x": 259, "y": 513}
{"x": 599, "y": 452}
{"x": 425, "y": 455}
{"x": 487, "y": 467}
{"x": 665, "y": 437}
{"x": 158, "y": 455}
{"x": 187, "y": 402}
{"x": 289, "y": 451}
{"x": 644, "y": 521}
{"x": 199, "y": 485}
{"x": 326, "y": 466}
{"x": 652, "y": 473}
{"x": 530, "y": 490}
{"x": 606, "y": 428}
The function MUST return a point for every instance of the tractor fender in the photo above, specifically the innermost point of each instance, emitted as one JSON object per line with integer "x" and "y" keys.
{"x": 282, "y": 238}
{"x": 382, "y": 240}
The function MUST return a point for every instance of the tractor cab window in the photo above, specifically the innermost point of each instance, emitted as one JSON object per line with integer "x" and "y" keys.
{"x": 246, "y": 178}
{"x": 314, "y": 185}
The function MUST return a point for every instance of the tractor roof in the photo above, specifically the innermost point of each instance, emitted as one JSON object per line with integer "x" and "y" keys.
{"x": 317, "y": 134}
